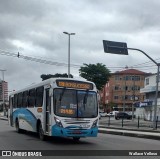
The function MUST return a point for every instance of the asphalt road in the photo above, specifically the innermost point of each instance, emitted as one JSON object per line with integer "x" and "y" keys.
{"x": 11, "y": 140}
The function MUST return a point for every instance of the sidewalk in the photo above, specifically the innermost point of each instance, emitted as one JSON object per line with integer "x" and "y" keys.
{"x": 2, "y": 117}
{"x": 129, "y": 128}
{"x": 141, "y": 133}
{"x": 150, "y": 134}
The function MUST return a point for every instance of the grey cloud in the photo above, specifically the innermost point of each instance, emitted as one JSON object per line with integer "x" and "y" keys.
{"x": 23, "y": 7}
{"x": 39, "y": 25}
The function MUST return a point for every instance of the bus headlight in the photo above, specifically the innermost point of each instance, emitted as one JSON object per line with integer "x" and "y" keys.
{"x": 95, "y": 123}
{"x": 58, "y": 122}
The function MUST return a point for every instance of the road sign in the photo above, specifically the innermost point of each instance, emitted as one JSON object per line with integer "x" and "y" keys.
{"x": 115, "y": 47}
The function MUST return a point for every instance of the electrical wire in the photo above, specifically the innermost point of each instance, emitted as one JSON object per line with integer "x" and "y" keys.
{"x": 7, "y": 53}
{"x": 40, "y": 60}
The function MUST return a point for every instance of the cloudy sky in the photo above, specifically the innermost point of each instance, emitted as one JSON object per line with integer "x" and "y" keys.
{"x": 34, "y": 28}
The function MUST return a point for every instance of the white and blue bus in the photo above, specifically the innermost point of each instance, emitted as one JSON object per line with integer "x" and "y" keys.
{"x": 56, "y": 107}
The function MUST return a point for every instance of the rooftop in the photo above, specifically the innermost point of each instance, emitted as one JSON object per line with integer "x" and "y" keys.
{"x": 131, "y": 72}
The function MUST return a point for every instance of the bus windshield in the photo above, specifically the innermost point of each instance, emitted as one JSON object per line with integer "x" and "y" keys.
{"x": 75, "y": 103}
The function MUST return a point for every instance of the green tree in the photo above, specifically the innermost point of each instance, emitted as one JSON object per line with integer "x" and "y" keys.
{"x": 47, "y": 76}
{"x": 97, "y": 73}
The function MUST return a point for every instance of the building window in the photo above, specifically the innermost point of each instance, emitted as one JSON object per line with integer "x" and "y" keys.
{"x": 116, "y": 78}
{"x": 127, "y": 97}
{"x": 115, "y": 97}
{"x": 116, "y": 88}
{"x": 126, "y": 88}
{"x": 127, "y": 78}
{"x": 137, "y": 78}
{"x": 135, "y": 88}
{"x": 147, "y": 81}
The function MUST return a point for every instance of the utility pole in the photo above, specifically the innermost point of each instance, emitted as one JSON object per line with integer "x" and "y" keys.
{"x": 133, "y": 97}
{"x": 124, "y": 100}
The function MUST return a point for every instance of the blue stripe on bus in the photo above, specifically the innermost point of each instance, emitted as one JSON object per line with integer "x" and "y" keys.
{"x": 27, "y": 115}
{"x": 66, "y": 132}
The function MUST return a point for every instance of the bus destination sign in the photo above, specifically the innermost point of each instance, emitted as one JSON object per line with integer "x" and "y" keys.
{"x": 74, "y": 84}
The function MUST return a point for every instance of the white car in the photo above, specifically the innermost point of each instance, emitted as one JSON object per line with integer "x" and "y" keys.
{"x": 113, "y": 113}
{"x": 110, "y": 114}
{"x": 103, "y": 114}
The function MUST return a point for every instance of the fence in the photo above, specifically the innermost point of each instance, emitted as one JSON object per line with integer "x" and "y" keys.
{"x": 135, "y": 123}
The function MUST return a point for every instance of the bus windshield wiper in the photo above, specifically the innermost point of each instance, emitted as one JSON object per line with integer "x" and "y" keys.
{"x": 61, "y": 95}
{"x": 85, "y": 98}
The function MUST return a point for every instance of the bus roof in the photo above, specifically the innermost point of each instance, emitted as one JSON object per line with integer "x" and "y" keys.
{"x": 52, "y": 81}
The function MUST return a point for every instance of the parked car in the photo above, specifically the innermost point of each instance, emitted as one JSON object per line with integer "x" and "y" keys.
{"x": 103, "y": 114}
{"x": 123, "y": 115}
{"x": 110, "y": 114}
{"x": 113, "y": 113}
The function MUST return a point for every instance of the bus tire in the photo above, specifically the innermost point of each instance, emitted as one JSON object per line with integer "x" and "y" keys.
{"x": 17, "y": 126}
{"x": 76, "y": 138}
{"x": 41, "y": 132}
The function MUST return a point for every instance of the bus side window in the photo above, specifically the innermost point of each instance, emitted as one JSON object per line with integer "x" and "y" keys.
{"x": 25, "y": 99}
{"x": 12, "y": 101}
{"x": 31, "y": 98}
{"x": 19, "y": 102}
{"x": 39, "y": 96}
{"x": 15, "y": 101}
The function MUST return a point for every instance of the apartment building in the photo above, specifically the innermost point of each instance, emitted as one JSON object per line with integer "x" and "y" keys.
{"x": 3, "y": 85}
{"x": 123, "y": 89}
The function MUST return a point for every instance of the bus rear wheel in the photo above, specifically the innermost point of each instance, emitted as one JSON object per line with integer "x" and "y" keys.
{"x": 76, "y": 138}
{"x": 41, "y": 132}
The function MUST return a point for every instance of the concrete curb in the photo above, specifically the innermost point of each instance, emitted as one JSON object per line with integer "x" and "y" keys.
{"x": 129, "y": 129}
{"x": 130, "y": 133}
{"x": 3, "y": 118}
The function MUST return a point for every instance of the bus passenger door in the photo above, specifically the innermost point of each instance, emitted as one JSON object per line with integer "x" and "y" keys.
{"x": 10, "y": 113}
{"x": 48, "y": 112}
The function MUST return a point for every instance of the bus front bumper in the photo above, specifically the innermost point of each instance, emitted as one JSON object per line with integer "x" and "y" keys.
{"x": 66, "y": 132}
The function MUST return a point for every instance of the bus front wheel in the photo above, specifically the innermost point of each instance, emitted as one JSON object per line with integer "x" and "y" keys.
{"x": 17, "y": 127}
{"x": 41, "y": 133}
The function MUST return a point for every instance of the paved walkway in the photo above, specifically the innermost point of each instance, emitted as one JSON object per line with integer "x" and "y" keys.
{"x": 154, "y": 134}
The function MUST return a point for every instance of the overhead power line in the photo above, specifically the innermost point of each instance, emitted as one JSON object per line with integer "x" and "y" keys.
{"x": 6, "y": 53}
{"x": 148, "y": 62}
{"x": 40, "y": 60}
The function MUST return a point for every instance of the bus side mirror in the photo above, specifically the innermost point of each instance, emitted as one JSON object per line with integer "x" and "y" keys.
{"x": 51, "y": 92}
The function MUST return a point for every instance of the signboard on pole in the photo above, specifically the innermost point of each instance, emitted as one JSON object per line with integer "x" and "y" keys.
{"x": 115, "y": 47}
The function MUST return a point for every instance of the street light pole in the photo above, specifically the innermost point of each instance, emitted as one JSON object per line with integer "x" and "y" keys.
{"x": 69, "y": 34}
{"x": 4, "y": 109}
{"x": 157, "y": 82}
